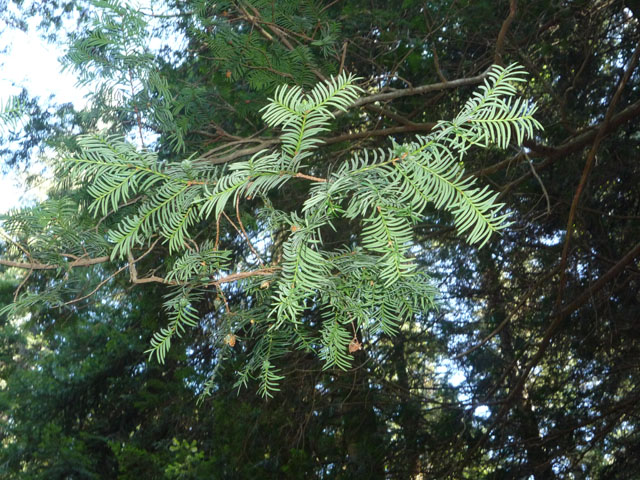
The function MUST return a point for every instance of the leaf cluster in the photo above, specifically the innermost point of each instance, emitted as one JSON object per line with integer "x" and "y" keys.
{"x": 360, "y": 290}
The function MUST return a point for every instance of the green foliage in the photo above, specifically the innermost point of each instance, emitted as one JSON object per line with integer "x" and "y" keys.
{"x": 79, "y": 400}
{"x": 370, "y": 287}
{"x": 243, "y": 56}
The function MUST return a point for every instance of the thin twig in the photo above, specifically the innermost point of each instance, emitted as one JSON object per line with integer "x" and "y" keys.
{"x": 224, "y": 298}
{"x": 235, "y": 227}
{"x": 28, "y": 275}
{"x": 244, "y": 232}
{"x": 217, "y": 232}
{"x": 234, "y": 277}
{"x": 22, "y": 284}
{"x": 133, "y": 272}
{"x": 256, "y": 19}
{"x": 310, "y": 177}
{"x": 24, "y": 250}
{"x": 436, "y": 63}
{"x": 81, "y": 262}
{"x": 344, "y": 54}
{"x": 100, "y": 285}
{"x": 544, "y": 190}
{"x": 383, "y": 132}
{"x": 122, "y": 205}
{"x": 420, "y": 90}
{"x": 330, "y": 4}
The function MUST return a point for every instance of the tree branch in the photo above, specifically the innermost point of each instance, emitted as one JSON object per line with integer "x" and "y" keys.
{"x": 587, "y": 169}
{"x": 421, "y": 90}
{"x": 503, "y": 32}
{"x": 80, "y": 262}
{"x": 554, "y": 153}
{"x": 546, "y": 340}
{"x": 215, "y": 158}
{"x": 585, "y": 138}
{"x": 234, "y": 277}
{"x": 416, "y": 127}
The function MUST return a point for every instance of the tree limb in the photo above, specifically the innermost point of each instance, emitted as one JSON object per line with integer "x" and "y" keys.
{"x": 587, "y": 169}
{"x": 503, "y": 32}
{"x": 421, "y": 90}
{"x": 80, "y": 262}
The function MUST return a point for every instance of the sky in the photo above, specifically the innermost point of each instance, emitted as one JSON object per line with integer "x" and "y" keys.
{"x": 31, "y": 63}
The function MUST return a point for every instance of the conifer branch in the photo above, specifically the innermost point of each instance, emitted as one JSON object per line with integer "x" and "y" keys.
{"x": 374, "y": 286}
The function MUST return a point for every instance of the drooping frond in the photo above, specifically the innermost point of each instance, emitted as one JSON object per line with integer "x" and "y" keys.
{"x": 304, "y": 270}
{"x": 182, "y": 313}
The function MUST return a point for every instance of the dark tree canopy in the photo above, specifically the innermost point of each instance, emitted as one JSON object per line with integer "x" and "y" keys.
{"x": 529, "y": 367}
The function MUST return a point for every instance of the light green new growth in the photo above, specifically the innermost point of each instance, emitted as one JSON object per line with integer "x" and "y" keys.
{"x": 371, "y": 288}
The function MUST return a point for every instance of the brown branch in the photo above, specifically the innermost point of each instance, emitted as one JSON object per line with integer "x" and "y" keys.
{"x": 122, "y": 205}
{"x": 226, "y": 157}
{"x": 22, "y": 284}
{"x": 503, "y": 32}
{"x": 235, "y": 227}
{"x": 243, "y": 233}
{"x": 436, "y": 64}
{"x": 344, "y": 55}
{"x": 330, "y": 4}
{"x": 496, "y": 167}
{"x": 216, "y": 158}
{"x": 416, "y": 127}
{"x": 587, "y": 170}
{"x": 133, "y": 272}
{"x": 100, "y": 285}
{"x": 80, "y": 262}
{"x": 215, "y": 247}
{"x": 224, "y": 298}
{"x": 421, "y": 90}
{"x": 585, "y": 138}
{"x": 600, "y": 283}
{"x": 554, "y": 153}
{"x": 20, "y": 247}
{"x": 544, "y": 190}
{"x": 256, "y": 20}
{"x": 234, "y": 277}
{"x": 274, "y": 28}
{"x": 309, "y": 177}
{"x": 219, "y": 156}
{"x": 26, "y": 252}
{"x": 393, "y": 116}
